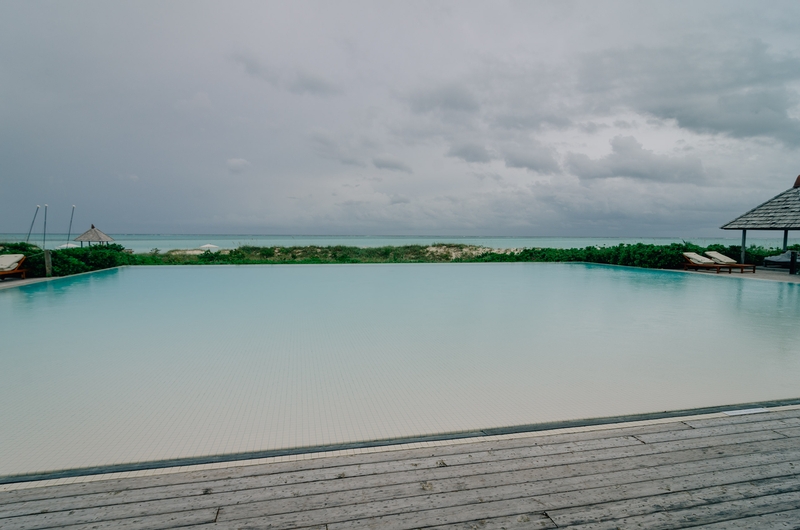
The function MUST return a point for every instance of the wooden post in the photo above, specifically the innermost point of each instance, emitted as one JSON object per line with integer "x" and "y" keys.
{"x": 793, "y": 263}
{"x": 744, "y": 241}
{"x": 785, "y": 239}
{"x": 48, "y": 265}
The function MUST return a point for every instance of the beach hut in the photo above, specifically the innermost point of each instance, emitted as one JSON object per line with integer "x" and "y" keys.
{"x": 782, "y": 212}
{"x": 93, "y": 235}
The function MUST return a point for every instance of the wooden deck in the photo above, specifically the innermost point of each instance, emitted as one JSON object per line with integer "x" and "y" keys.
{"x": 713, "y": 472}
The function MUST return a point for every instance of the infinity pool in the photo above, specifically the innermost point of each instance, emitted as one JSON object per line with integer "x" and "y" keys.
{"x": 153, "y": 363}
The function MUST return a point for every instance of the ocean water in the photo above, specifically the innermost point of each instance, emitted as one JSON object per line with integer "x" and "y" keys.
{"x": 148, "y": 242}
{"x": 149, "y": 363}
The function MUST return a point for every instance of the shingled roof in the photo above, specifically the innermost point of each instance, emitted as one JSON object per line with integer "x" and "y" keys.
{"x": 94, "y": 235}
{"x": 779, "y": 213}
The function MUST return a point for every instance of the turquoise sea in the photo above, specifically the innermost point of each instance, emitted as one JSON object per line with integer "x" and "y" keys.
{"x": 163, "y": 242}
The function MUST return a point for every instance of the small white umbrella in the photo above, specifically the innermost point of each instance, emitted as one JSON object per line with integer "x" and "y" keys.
{"x": 68, "y": 245}
{"x": 209, "y": 247}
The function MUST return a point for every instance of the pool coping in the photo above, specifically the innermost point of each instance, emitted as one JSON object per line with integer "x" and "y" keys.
{"x": 186, "y": 462}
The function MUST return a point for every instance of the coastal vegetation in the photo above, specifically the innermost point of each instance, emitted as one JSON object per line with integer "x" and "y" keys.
{"x": 76, "y": 260}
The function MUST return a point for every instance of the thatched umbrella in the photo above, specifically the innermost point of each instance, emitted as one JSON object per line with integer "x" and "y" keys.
{"x": 781, "y": 212}
{"x": 93, "y": 235}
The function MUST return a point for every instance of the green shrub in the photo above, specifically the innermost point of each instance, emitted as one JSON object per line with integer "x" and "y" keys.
{"x": 76, "y": 260}
{"x": 19, "y": 248}
{"x": 635, "y": 255}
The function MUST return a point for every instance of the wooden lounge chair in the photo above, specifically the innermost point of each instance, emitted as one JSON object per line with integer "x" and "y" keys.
{"x": 697, "y": 262}
{"x": 11, "y": 264}
{"x": 722, "y": 259}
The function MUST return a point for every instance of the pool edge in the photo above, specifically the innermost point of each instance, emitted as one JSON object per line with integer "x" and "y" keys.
{"x": 272, "y": 453}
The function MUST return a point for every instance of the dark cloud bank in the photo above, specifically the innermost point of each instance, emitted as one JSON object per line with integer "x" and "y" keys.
{"x": 573, "y": 118}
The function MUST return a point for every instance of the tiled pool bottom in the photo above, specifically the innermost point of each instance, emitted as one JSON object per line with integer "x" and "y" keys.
{"x": 159, "y": 363}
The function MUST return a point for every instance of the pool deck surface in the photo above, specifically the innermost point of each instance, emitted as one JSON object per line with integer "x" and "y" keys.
{"x": 774, "y": 274}
{"x": 714, "y": 471}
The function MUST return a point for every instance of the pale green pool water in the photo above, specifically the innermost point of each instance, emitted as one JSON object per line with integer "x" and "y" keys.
{"x": 152, "y": 363}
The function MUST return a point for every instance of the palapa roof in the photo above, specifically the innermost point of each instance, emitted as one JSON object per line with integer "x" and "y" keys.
{"x": 782, "y": 212}
{"x": 94, "y": 235}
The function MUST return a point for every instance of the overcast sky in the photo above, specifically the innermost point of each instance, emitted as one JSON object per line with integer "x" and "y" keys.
{"x": 380, "y": 118}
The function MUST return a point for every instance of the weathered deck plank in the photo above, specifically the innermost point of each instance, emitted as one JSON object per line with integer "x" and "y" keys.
{"x": 669, "y": 495}
{"x": 376, "y": 487}
{"x": 788, "y": 520}
{"x": 708, "y": 513}
{"x": 493, "y": 458}
{"x": 724, "y": 472}
{"x": 390, "y": 457}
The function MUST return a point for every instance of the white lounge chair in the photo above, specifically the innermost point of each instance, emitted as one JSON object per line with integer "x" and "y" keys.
{"x": 722, "y": 259}
{"x": 697, "y": 262}
{"x": 11, "y": 264}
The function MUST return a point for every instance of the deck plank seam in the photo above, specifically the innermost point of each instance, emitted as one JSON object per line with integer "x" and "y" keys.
{"x": 784, "y": 405}
{"x": 412, "y": 480}
{"x": 732, "y": 516}
{"x": 566, "y": 491}
{"x": 544, "y": 513}
{"x": 796, "y": 524}
{"x": 664, "y": 466}
{"x": 587, "y": 450}
{"x": 701, "y": 502}
{"x": 351, "y": 465}
{"x": 467, "y": 449}
{"x": 387, "y": 451}
{"x": 783, "y": 436}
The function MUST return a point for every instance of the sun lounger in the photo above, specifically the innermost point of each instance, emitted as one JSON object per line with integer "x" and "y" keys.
{"x": 11, "y": 264}
{"x": 697, "y": 262}
{"x": 722, "y": 259}
{"x": 781, "y": 260}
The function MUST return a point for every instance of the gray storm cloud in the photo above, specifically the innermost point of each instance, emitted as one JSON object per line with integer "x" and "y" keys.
{"x": 391, "y": 163}
{"x": 538, "y": 159}
{"x": 470, "y": 152}
{"x": 448, "y": 98}
{"x": 506, "y": 118}
{"x": 629, "y": 159}
{"x": 238, "y": 165}
{"x": 745, "y": 92}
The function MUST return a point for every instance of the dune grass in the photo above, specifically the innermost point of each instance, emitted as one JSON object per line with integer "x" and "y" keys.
{"x": 77, "y": 260}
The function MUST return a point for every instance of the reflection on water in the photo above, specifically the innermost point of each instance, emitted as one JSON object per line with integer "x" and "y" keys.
{"x": 52, "y": 292}
{"x": 148, "y": 363}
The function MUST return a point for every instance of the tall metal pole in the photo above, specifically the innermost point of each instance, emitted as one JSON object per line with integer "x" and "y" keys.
{"x": 69, "y": 232}
{"x": 44, "y": 233}
{"x": 34, "y": 220}
{"x": 744, "y": 240}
